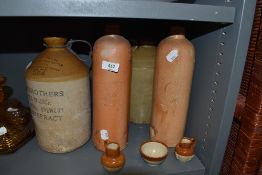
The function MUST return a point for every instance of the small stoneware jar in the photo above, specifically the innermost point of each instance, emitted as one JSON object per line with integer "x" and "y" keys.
{"x": 185, "y": 149}
{"x": 113, "y": 159}
{"x": 153, "y": 152}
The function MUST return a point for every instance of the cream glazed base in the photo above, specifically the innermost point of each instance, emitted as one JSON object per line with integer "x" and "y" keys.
{"x": 184, "y": 158}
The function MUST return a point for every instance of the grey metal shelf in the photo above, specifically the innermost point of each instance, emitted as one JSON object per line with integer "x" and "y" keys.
{"x": 31, "y": 160}
{"x": 220, "y": 58}
{"x": 117, "y": 9}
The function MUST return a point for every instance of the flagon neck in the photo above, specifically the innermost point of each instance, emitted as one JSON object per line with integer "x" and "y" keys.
{"x": 55, "y": 42}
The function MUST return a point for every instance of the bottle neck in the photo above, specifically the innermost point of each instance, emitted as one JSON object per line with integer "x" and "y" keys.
{"x": 55, "y": 42}
{"x": 112, "y": 150}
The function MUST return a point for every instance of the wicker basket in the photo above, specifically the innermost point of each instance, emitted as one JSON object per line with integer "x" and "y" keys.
{"x": 252, "y": 49}
{"x": 244, "y": 149}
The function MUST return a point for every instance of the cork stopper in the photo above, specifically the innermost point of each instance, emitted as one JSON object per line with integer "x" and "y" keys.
{"x": 54, "y": 41}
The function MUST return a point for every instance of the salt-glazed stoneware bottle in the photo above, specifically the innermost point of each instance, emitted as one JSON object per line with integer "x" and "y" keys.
{"x": 59, "y": 97}
{"x": 143, "y": 65}
{"x": 172, "y": 85}
{"x": 185, "y": 149}
{"x": 113, "y": 159}
{"x": 111, "y": 90}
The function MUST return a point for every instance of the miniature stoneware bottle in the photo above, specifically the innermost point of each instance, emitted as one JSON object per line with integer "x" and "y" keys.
{"x": 143, "y": 64}
{"x": 172, "y": 85}
{"x": 185, "y": 149}
{"x": 113, "y": 159}
{"x": 59, "y": 97}
{"x": 111, "y": 90}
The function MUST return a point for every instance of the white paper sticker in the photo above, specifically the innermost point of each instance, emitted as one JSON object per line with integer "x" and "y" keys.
{"x": 172, "y": 56}
{"x": 3, "y": 131}
{"x": 104, "y": 134}
{"x": 12, "y": 109}
{"x": 113, "y": 67}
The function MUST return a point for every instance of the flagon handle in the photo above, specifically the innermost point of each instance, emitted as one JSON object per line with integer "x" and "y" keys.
{"x": 70, "y": 44}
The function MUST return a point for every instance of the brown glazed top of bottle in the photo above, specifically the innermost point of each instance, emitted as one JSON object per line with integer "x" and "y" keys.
{"x": 186, "y": 147}
{"x": 56, "y": 63}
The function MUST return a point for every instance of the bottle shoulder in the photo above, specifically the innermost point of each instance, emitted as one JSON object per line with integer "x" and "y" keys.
{"x": 56, "y": 64}
{"x": 109, "y": 40}
{"x": 177, "y": 42}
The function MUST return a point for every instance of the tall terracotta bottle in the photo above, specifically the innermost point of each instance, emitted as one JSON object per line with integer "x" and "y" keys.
{"x": 143, "y": 64}
{"x": 111, "y": 89}
{"x": 172, "y": 85}
{"x": 59, "y": 97}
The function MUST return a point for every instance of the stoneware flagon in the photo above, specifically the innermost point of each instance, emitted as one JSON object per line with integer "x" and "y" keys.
{"x": 59, "y": 97}
{"x": 111, "y": 90}
{"x": 172, "y": 85}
